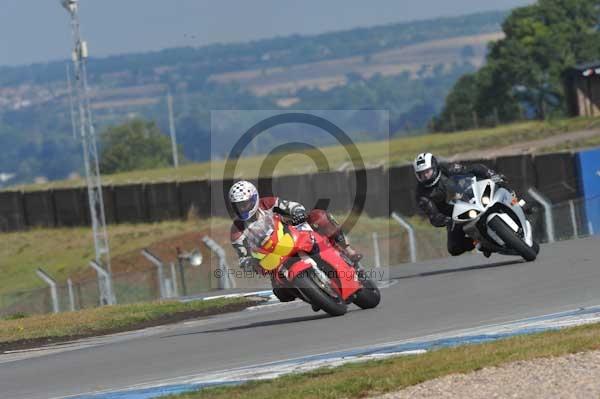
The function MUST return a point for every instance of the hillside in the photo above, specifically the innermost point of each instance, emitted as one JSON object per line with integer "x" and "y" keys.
{"x": 407, "y": 68}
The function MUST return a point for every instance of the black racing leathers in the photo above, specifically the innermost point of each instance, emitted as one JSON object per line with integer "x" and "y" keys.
{"x": 432, "y": 201}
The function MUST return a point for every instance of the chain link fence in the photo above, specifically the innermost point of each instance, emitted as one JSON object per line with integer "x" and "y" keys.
{"x": 389, "y": 246}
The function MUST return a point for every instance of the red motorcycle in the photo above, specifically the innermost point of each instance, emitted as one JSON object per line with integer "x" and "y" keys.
{"x": 308, "y": 265}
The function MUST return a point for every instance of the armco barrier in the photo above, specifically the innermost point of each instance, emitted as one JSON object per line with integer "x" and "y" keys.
{"x": 162, "y": 200}
{"x": 335, "y": 190}
{"x": 12, "y": 215}
{"x": 130, "y": 204}
{"x": 556, "y": 176}
{"x": 195, "y": 197}
{"x": 519, "y": 170}
{"x": 39, "y": 209}
{"x": 377, "y": 198}
{"x": 69, "y": 207}
{"x": 402, "y": 190}
{"x": 297, "y": 188}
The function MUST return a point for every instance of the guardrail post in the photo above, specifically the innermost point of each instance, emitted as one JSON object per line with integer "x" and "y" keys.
{"x": 71, "y": 295}
{"x": 107, "y": 296}
{"x": 548, "y": 215}
{"x": 53, "y": 291}
{"x": 574, "y": 219}
{"x": 174, "y": 280}
{"x": 412, "y": 242}
{"x": 159, "y": 266}
{"x": 376, "y": 255}
{"x": 225, "y": 280}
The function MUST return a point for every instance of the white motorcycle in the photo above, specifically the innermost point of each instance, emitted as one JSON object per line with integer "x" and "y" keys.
{"x": 491, "y": 215}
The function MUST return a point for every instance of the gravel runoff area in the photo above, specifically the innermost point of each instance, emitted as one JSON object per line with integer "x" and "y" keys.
{"x": 571, "y": 376}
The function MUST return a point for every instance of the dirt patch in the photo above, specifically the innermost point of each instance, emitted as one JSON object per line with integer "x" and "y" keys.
{"x": 165, "y": 249}
{"x": 527, "y": 147}
{"x": 164, "y": 320}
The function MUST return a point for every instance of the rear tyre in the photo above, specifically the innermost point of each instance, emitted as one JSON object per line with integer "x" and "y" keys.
{"x": 307, "y": 284}
{"x": 512, "y": 239}
{"x": 369, "y": 296}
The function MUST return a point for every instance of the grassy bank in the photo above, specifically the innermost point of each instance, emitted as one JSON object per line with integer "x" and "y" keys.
{"x": 65, "y": 252}
{"x": 34, "y": 330}
{"x": 391, "y": 152}
{"x": 62, "y": 252}
{"x": 360, "y": 380}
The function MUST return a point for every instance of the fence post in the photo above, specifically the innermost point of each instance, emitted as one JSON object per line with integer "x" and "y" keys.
{"x": 376, "y": 255}
{"x": 53, "y": 291}
{"x": 574, "y": 219}
{"x": 71, "y": 295}
{"x": 547, "y": 212}
{"x": 159, "y": 266}
{"x": 225, "y": 280}
{"x": 174, "y": 280}
{"x": 411, "y": 236}
{"x": 105, "y": 284}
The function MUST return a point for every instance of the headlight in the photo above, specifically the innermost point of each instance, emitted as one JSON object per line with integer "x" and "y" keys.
{"x": 472, "y": 214}
{"x": 485, "y": 200}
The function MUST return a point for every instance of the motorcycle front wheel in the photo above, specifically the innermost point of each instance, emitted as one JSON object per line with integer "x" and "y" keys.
{"x": 512, "y": 239}
{"x": 310, "y": 286}
{"x": 369, "y": 296}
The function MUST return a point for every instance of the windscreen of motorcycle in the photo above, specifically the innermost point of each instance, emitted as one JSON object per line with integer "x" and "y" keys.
{"x": 269, "y": 240}
{"x": 460, "y": 188}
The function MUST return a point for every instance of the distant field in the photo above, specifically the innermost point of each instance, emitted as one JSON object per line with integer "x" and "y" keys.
{"x": 326, "y": 74}
{"x": 396, "y": 151}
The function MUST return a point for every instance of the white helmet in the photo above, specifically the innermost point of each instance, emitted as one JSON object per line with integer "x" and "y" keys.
{"x": 243, "y": 197}
{"x": 426, "y": 169}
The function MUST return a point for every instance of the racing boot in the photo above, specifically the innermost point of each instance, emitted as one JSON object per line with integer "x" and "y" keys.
{"x": 480, "y": 248}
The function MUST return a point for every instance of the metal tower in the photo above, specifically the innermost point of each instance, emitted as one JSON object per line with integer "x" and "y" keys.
{"x": 90, "y": 155}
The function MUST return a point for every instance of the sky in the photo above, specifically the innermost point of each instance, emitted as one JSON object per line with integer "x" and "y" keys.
{"x": 39, "y": 30}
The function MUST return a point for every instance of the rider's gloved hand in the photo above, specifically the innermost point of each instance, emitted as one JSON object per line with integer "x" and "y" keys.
{"x": 449, "y": 222}
{"x": 298, "y": 215}
{"x": 248, "y": 263}
{"x": 498, "y": 178}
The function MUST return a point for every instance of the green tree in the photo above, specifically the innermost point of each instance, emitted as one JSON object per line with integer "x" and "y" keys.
{"x": 135, "y": 145}
{"x": 541, "y": 41}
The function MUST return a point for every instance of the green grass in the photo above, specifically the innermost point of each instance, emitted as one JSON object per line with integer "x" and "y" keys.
{"x": 105, "y": 319}
{"x": 590, "y": 142}
{"x": 361, "y": 380}
{"x": 396, "y": 151}
{"x": 64, "y": 252}
{"x": 61, "y": 252}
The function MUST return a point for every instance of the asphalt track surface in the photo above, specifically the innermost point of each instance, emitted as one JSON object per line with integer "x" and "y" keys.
{"x": 425, "y": 298}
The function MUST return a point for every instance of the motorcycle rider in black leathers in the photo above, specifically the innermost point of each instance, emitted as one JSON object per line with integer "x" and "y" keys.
{"x": 432, "y": 180}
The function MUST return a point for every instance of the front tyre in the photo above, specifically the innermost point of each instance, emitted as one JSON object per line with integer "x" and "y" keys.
{"x": 512, "y": 239}
{"x": 309, "y": 285}
{"x": 369, "y": 296}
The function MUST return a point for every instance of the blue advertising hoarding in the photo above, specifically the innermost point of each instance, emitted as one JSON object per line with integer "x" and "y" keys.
{"x": 589, "y": 174}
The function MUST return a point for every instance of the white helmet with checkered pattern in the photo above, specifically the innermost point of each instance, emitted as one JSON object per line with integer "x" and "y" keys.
{"x": 426, "y": 169}
{"x": 243, "y": 197}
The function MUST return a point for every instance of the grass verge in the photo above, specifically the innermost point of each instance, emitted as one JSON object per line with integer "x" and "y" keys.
{"x": 395, "y": 151}
{"x": 360, "y": 380}
{"x": 27, "y": 332}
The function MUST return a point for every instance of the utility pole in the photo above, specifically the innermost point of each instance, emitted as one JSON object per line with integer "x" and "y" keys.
{"x": 90, "y": 152}
{"x": 172, "y": 131}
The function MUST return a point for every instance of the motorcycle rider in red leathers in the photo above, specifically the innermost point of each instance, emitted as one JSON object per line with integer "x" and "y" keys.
{"x": 245, "y": 202}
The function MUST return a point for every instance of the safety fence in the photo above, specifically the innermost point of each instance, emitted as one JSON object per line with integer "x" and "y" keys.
{"x": 177, "y": 278}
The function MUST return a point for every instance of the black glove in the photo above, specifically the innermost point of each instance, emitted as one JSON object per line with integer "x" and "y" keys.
{"x": 298, "y": 215}
{"x": 498, "y": 178}
{"x": 449, "y": 222}
{"x": 248, "y": 263}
